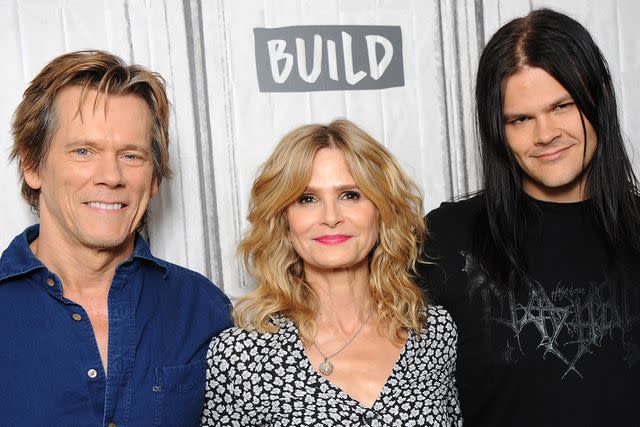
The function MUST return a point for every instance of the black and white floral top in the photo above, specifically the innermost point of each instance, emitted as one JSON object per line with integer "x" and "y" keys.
{"x": 267, "y": 380}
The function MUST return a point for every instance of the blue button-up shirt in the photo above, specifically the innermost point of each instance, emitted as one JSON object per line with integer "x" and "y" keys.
{"x": 161, "y": 318}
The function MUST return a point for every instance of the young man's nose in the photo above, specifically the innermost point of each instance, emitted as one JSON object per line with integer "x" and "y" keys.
{"x": 546, "y": 130}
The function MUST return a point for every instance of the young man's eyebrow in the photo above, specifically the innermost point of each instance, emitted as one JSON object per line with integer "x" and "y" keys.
{"x": 561, "y": 100}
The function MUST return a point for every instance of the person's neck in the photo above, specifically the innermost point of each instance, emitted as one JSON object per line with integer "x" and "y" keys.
{"x": 571, "y": 193}
{"x": 80, "y": 268}
{"x": 344, "y": 296}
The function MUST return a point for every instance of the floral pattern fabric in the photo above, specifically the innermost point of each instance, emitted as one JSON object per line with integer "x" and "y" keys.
{"x": 258, "y": 379}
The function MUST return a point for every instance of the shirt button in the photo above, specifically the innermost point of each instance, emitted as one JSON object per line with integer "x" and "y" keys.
{"x": 51, "y": 282}
{"x": 112, "y": 424}
{"x": 76, "y": 317}
{"x": 92, "y": 373}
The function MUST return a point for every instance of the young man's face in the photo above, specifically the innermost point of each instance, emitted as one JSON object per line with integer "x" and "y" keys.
{"x": 545, "y": 135}
{"x": 97, "y": 178}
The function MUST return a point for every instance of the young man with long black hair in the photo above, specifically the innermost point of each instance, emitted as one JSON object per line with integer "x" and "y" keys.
{"x": 541, "y": 269}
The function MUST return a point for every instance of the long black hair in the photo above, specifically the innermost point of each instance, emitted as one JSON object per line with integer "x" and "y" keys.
{"x": 562, "y": 47}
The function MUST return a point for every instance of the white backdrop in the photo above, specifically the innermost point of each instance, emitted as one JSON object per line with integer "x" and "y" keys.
{"x": 222, "y": 127}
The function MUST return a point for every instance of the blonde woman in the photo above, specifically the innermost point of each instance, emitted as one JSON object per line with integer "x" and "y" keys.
{"x": 337, "y": 332}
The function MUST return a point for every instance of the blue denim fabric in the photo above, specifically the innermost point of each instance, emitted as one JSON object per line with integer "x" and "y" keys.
{"x": 161, "y": 318}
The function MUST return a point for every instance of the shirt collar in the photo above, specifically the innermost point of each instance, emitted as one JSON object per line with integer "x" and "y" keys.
{"x": 141, "y": 251}
{"x": 18, "y": 258}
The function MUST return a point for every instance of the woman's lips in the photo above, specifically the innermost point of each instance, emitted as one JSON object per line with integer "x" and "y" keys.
{"x": 333, "y": 239}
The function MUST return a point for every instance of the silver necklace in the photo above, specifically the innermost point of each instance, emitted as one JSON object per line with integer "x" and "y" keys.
{"x": 326, "y": 367}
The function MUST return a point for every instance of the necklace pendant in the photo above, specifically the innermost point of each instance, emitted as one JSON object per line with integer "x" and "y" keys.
{"x": 326, "y": 367}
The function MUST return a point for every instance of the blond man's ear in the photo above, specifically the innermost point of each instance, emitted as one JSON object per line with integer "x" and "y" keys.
{"x": 31, "y": 176}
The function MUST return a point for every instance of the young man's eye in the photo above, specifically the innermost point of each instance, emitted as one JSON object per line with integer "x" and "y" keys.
{"x": 563, "y": 106}
{"x": 519, "y": 119}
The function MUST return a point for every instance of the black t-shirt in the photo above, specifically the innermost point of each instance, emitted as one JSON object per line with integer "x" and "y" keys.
{"x": 560, "y": 349}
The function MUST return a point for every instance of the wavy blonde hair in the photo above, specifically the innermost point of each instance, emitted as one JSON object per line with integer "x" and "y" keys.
{"x": 270, "y": 258}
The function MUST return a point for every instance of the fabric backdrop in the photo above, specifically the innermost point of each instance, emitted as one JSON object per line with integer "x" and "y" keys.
{"x": 223, "y": 127}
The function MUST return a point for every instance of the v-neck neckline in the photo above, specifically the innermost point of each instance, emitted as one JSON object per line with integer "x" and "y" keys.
{"x": 384, "y": 391}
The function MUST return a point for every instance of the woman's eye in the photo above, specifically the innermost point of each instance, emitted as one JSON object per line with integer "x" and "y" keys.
{"x": 306, "y": 198}
{"x": 351, "y": 195}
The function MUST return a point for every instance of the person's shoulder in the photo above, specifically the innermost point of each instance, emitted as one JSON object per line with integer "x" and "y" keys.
{"x": 440, "y": 325}
{"x": 17, "y": 259}
{"x": 456, "y": 211}
{"x": 229, "y": 338}
{"x": 185, "y": 278}
{"x": 239, "y": 345}
{"x": 450, "y": 228}
{"x": 185, "y": 293}
{"x": 437, "y": 314}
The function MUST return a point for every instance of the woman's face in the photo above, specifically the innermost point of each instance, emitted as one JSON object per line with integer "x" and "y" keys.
{"x": 332, "y": 225}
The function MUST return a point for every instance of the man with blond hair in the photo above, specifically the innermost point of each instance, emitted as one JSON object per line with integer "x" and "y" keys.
{"x": 95, "y": 329}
